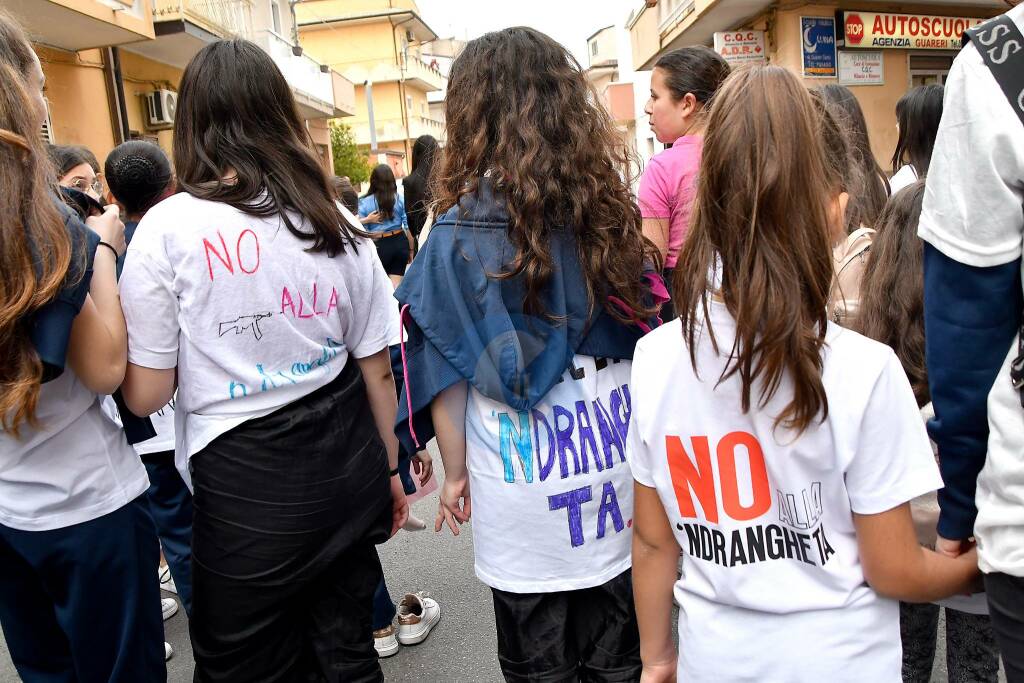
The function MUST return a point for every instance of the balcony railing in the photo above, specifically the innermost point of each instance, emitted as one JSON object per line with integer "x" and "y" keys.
{"x": 394, "y": 129}
{"x": 416, "y": 70}
{"x": 302, "y": 72}
{"x": 226, "y": 18}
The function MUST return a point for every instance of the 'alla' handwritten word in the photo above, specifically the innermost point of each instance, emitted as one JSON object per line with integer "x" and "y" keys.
{"x": 288, "y": 303}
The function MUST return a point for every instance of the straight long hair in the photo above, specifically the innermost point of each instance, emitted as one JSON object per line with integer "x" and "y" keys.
{"x": 892, "y": 293}
{"x": 869, "y": 188}
{"x": 520, "y": 111}
{"x": 762, "y": 224}
{"x": 238, "y": 139}
{"x": 424, "y": 154}
{"x": 35, "y": 247}
{"x": 385, "y": 189}
{"x": 918, "y": 114}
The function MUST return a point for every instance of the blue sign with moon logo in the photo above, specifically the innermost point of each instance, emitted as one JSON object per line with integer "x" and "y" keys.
{"x": 818, "y": 38}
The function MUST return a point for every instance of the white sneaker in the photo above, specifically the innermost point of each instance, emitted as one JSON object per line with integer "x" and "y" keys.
{"x": 384, "y": 641}
{"x": 169, "y": 606}
{"x": 168, "y": 651}
{"x": 166, "y": 582}
{"x": 417, "y": 616}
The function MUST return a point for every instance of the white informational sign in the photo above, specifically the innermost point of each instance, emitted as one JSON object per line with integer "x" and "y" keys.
{"x": 861, "y": 67}
{"x": 741, "y": 47}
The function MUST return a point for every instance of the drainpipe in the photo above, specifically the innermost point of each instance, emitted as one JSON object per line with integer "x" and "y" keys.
{"x": 369, "y": 113}
{"x": 116, "y": 99}
{"x": 296, "y": 46}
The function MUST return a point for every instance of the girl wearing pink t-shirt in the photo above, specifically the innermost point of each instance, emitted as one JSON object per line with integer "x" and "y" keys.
{"x": 682, "y": 83}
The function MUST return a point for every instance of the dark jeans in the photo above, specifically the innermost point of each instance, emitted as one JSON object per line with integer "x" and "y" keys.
{"x": 971, "y": 652}
{"x": 1006, "y": 607}
{"x": 583, "y": 635}
{"x": 288, "y": 509}
{"x": 81, "y": 604}
{"x": 383, "y": 607}
{"x": 170, "y": 503}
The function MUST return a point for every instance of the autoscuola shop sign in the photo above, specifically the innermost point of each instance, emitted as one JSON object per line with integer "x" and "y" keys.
{"x": 872, "y": 30}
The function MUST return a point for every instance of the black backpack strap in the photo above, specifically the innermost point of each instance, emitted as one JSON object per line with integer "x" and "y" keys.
{"x": 1001, "y": 45}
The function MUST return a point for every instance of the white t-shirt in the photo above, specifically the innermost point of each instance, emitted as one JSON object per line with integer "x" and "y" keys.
{"x": 972, "y": 214}
{"x": 552, "y": 493}
{"x": 765, "y": 517}
{"x": 252, "y": 320}
{"x": 905, "y": 177}
{"x": 74, "y": 467}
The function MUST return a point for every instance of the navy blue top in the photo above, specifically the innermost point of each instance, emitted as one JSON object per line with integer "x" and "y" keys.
{"x": 50, "y": 328}
{"x": 971, "y": 315}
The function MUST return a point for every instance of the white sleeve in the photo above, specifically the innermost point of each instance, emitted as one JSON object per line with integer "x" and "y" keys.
{"x": 374, "y": 307}
{"x": 975, "y": 182}
{"x": 150, "y": 308}
{"x": 893, "y": 462}
{"x": 639, "y": 454}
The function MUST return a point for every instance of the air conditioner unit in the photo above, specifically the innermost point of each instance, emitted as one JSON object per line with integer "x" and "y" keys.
{"x": 161, "y": 105}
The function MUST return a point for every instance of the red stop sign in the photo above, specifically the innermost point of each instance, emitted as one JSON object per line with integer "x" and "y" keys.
{"x": 854, "y": 29}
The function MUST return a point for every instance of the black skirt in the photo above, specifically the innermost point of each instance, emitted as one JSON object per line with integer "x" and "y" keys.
{"x": 288, "y": 509}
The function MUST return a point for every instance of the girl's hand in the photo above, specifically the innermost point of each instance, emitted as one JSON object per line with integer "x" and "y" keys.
{"x": 449, "y": 511}
{"x": 373, "y": 217}
{"x": 109, "y": 227}
{"x": 399, "y": 505}
{"x": 661, "y": 672}
{"x": 423, "y": 466}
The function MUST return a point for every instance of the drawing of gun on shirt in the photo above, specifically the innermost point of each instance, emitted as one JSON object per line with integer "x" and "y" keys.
{"x": 243, "y": 323}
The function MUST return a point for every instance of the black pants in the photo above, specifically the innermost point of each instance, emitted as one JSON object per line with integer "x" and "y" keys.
{"x": 288, "y": 509}
{"x": 583, "y": 635}
{"x": 971, "y": 652}
{"x": 394, "y": 253}
{"x": 1006, "y": 607}
{"x": 82, "y": 603}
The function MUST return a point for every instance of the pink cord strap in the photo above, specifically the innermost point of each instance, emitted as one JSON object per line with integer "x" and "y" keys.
{"x": 405, "y": 372}
{"x": 624, "y": 307}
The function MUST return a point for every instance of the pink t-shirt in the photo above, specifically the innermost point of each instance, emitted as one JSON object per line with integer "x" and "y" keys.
{"x": 668, "y": 187}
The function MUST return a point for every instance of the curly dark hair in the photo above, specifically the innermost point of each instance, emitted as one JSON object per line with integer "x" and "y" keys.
{"x": 892, "y": 293}
{"x": 520, "y": 111}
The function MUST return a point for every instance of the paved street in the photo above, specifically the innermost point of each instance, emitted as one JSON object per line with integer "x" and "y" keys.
{"x": 460, "y": 649}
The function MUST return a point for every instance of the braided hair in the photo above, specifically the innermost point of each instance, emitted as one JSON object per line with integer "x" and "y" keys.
{"x": 137, "y": 174}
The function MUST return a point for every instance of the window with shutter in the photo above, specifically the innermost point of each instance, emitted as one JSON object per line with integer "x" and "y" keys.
{"x": 47, "y": 130}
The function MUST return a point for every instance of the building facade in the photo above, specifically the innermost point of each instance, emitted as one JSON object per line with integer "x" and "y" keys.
{"x": 878, "y": 50}
{"x": 113, "y": 66}
{"x": 378, "y": 46}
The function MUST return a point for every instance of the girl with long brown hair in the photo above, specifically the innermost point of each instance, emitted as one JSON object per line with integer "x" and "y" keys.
{"x": 892, "y": 312}
{"x": 523, "y": 309}
{"x": 256, "y": 295}
{"x": 77, "y": 547}
{"x": 776, "y": 449}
